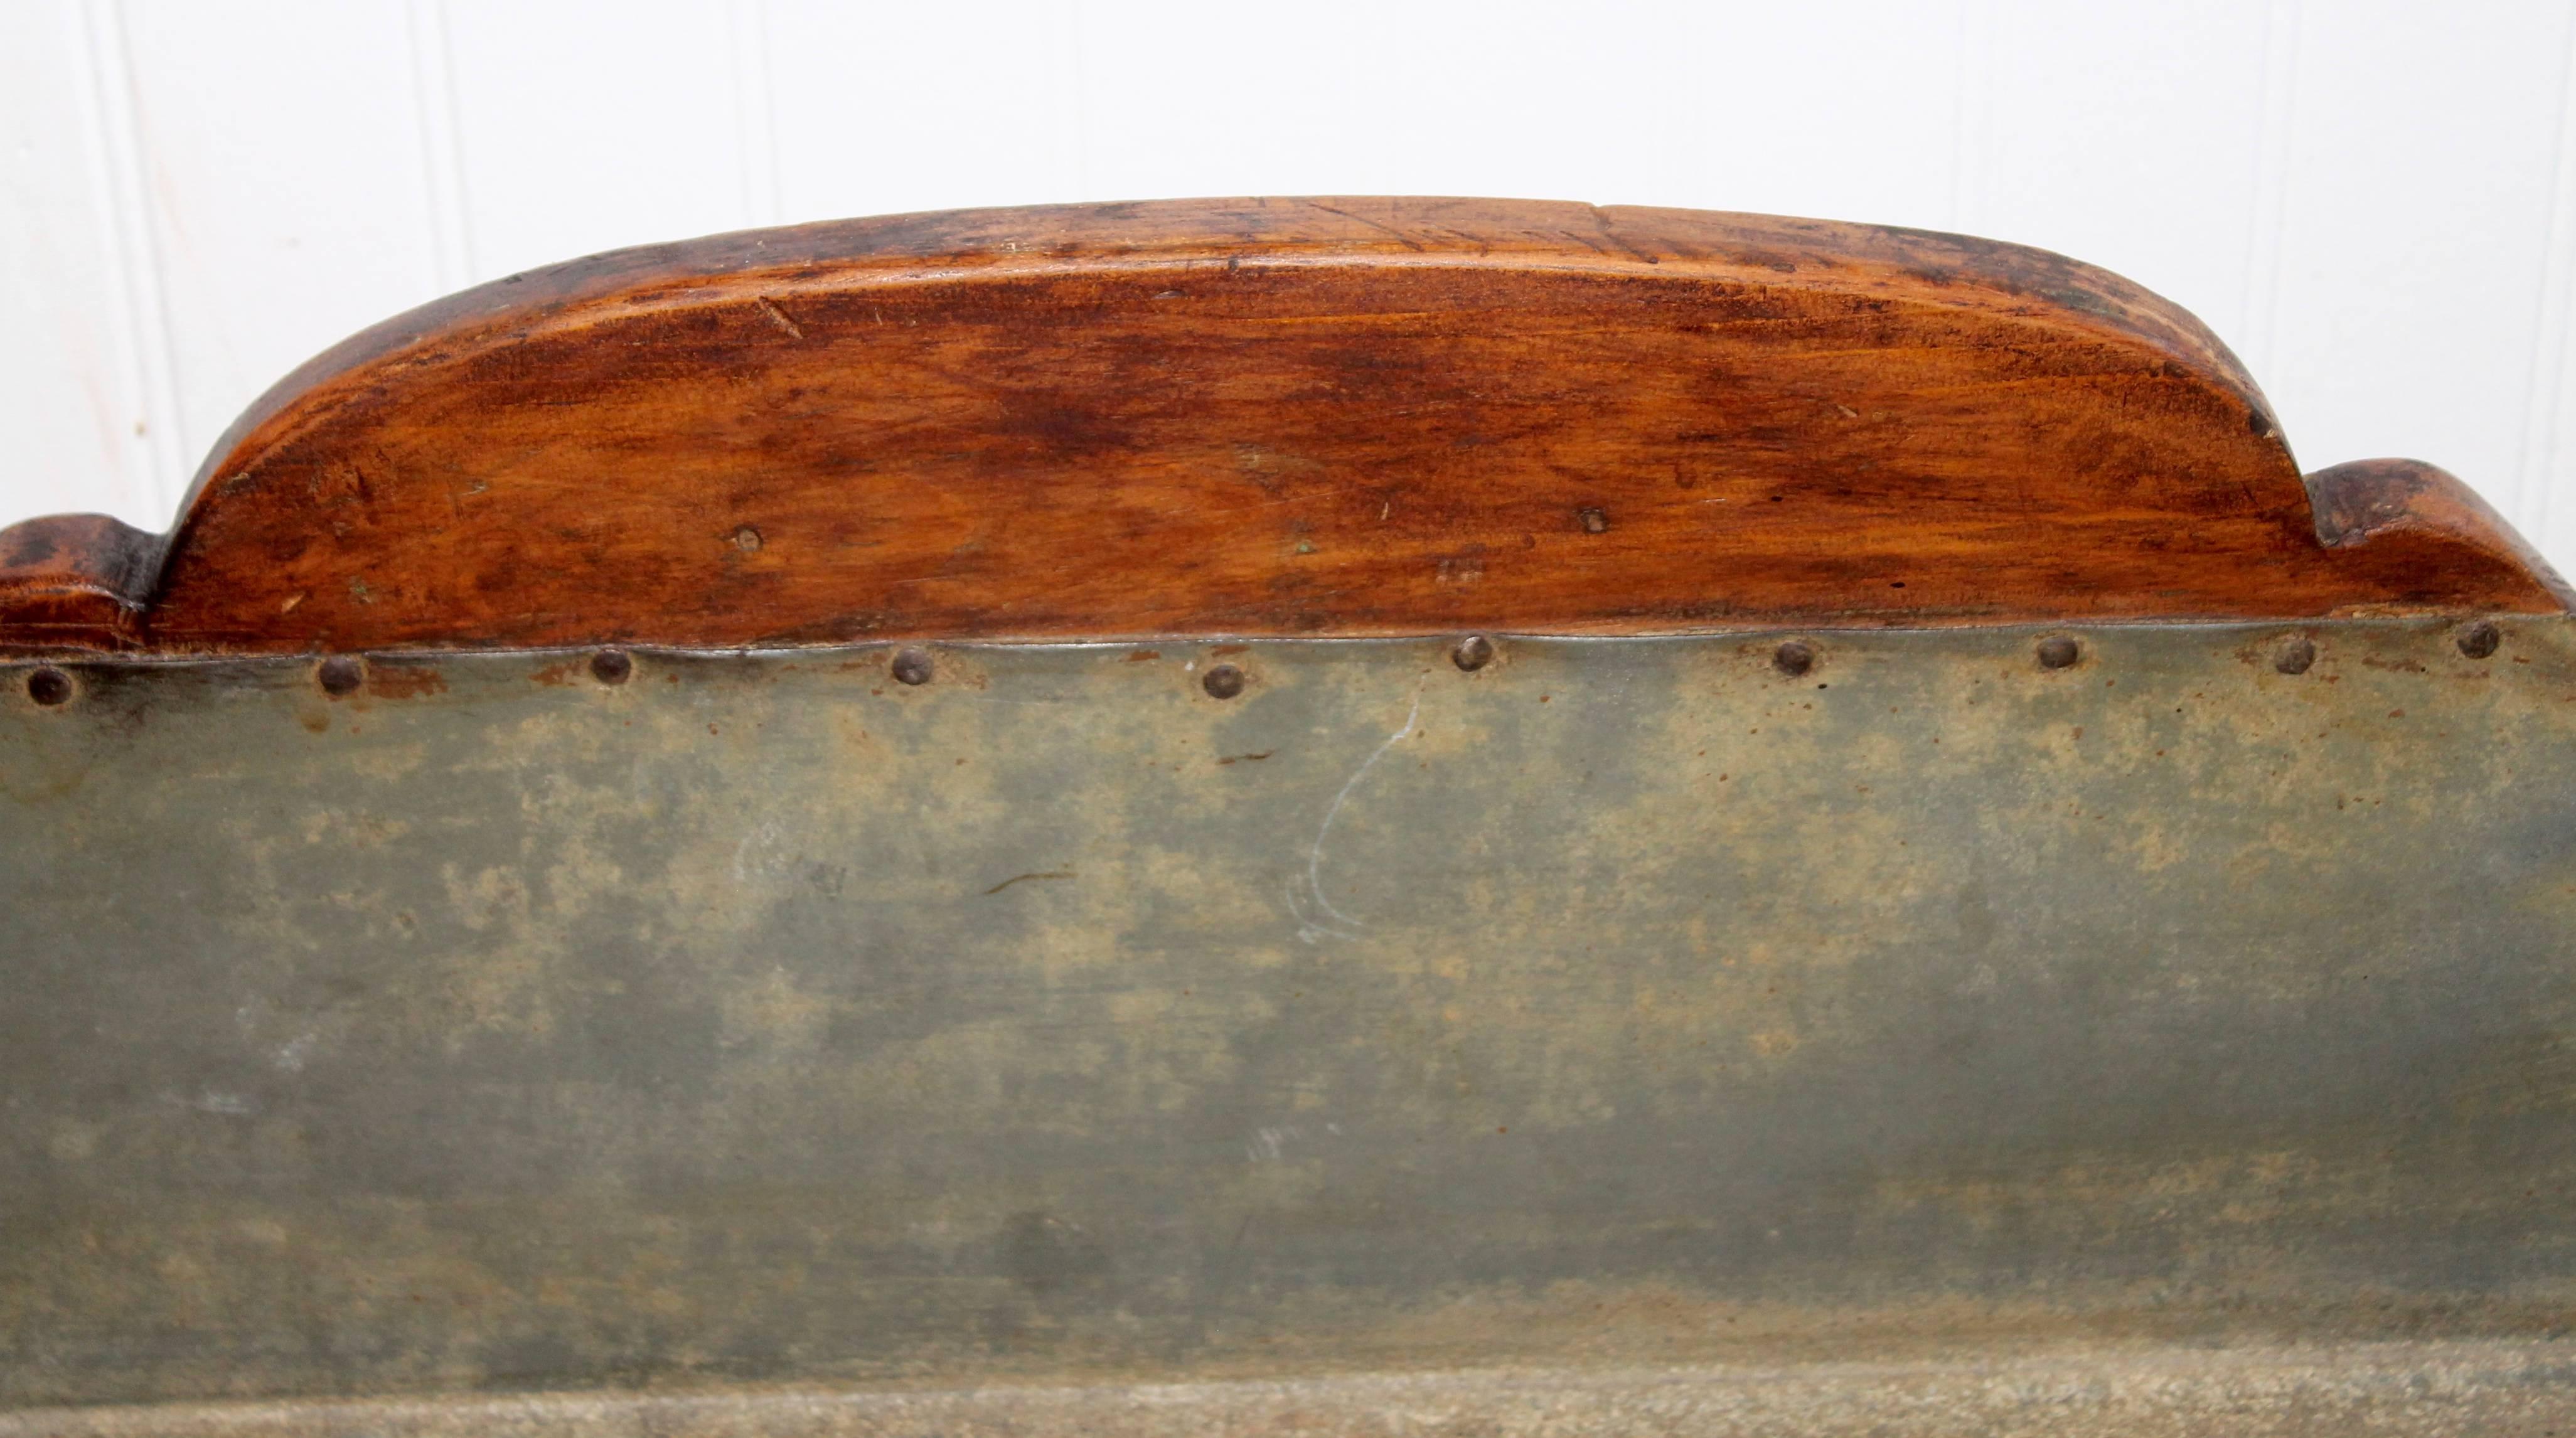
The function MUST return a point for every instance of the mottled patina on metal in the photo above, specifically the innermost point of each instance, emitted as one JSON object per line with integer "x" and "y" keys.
{"x": 2491, "y": 1388}
{"x": 1617, "y": 1003}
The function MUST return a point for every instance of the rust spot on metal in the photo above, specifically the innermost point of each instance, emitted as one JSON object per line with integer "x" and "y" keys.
{"x": 1141, "y": 655}
{"x": 341, "y": 675}
{"x": 2296, "y": 657}
{"x": 1794, "y": 658}
{"x": 2059, "y": 652}
{"x": 1473, "y": 653}
{"x": 49, "y": 686}
{"x": 912, "y": 666}
{"x": 612, "y": 666}
{"x": 404, "y": 681}
{"x": 1246, "y": 758}
{"x": 1222, "y": 682}
{"x": 2480, "y": 639}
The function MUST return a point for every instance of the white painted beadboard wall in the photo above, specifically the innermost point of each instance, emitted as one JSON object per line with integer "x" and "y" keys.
{"x": 2374, "y": 202}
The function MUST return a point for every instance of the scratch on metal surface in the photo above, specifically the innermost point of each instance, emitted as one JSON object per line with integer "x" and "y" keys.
{"x": 209, "y": 1101}
{"x": 1023, "y": 878}
{"x": 1334, "y": 923}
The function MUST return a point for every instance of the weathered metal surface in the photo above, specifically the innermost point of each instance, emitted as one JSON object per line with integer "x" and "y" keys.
{"x": 1614, "y": 1003}
{"x": 2494, "y": 1389}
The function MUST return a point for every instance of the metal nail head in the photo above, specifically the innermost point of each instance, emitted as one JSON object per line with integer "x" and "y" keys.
{"x": 341, "y": 674}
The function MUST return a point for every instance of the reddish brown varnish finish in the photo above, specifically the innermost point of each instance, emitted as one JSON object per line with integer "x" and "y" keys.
{"x": 1293, "y": 417}
{"x": 74, "y": 581}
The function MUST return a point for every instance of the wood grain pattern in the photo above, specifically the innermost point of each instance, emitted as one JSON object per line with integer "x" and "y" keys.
{"x": 75, "y": 581}
{"x": 1285, "y": 417}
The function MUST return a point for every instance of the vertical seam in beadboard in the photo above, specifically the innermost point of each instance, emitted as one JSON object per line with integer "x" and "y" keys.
{"x": 755, "y": 113}
{"x": 2259, "y": 298}
{"x": 1078, "y": 132}
{"x": 116, "y": 115}
{"x": 433, "y": 88}
{"x": 129, "y": 491}
{"x": 2535, "y": 475}
{"x": 1972, "y": 117}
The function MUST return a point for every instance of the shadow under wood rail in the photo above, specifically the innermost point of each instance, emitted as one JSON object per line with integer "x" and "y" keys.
{"x": 1280, "y": 417}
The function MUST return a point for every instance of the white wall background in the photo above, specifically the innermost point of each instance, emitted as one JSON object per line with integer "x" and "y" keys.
{"x": 2374, "y": 201}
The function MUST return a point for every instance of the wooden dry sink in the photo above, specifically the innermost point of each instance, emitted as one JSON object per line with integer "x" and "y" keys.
{"x": 1379, "y": 816}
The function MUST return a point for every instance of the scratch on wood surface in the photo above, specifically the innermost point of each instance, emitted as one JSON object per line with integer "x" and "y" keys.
{"x": 779, "y": 318}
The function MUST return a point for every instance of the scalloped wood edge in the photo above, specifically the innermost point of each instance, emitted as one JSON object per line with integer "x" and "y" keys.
{"x": 1241, "y": 418}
